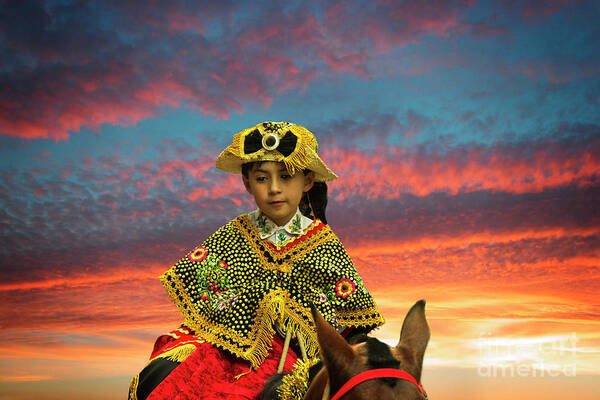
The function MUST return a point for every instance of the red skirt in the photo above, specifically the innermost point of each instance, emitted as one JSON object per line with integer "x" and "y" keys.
{"x": 211, "y": 373}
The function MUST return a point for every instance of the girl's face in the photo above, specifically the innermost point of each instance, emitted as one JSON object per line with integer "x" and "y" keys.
{"x": 275, "y": 191}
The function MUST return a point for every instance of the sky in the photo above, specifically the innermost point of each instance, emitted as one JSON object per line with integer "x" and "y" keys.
{"x": 465, "y": 134}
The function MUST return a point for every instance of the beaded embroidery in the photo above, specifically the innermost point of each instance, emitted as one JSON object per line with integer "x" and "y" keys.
{"x": 233, "y": 297}
{"x": 281, "y": 257}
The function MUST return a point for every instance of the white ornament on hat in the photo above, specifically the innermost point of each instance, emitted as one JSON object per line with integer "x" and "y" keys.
{"x": 270, "y": 141}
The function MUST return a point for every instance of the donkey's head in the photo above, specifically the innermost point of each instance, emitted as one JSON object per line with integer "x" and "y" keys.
{"x": 343, "y": 362}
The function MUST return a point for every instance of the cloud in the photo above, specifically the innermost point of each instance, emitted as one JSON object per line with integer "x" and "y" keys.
{"x": 120, "y": 75}
{"x": 389, "y": 172}
{"x": 426, "y": 190}
{"x": 535, "y": 8}
{"x": 156, "y": 56}
{"x": 496, "y": 284}
{"x": 97, "y": 282}
{"x": 169, "y": 54}
{"x": 482, "y": 30}
{"x": 386, "y": 25}
{"x": 120, "y": 303}
{"x": 519, "y": 265}
{"x": 553, "y": 71}
{"x": 116, "y": 198}
{"x": 365, "y": 130}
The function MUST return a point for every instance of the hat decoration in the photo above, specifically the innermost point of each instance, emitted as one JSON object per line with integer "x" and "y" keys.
{"x": 294, "y": 145}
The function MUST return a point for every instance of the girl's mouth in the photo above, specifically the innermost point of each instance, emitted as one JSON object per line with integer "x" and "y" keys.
{"x": 276, "y": 203}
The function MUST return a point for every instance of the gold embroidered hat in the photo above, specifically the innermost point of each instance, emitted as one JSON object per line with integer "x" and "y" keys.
{"x": 292, "y": 144}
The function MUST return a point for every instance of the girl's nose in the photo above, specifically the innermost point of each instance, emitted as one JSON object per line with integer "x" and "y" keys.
{"x": 275, "y": 186}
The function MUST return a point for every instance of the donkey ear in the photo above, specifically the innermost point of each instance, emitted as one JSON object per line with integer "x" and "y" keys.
{"x": 337, "y": 354}
{"x": 415, "y": 334}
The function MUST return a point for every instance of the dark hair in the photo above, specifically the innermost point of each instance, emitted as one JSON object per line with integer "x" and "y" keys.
{"x": 315, "y": 199}
{"x": 247, "y": 167}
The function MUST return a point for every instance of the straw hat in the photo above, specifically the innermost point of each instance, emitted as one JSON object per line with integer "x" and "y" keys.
{"x": 294, "y": 145}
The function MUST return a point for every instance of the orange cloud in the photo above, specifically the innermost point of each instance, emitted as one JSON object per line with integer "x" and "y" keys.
{"x": 390, "y": 172}
{"x": 85, "y": 325}
{"x": 25, "y": 378}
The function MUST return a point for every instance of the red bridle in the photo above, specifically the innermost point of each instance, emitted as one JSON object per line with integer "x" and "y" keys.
{"x": 377, "y": 373}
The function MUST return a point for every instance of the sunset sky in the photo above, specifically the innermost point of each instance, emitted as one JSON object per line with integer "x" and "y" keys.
{"x": 466, "y": 135}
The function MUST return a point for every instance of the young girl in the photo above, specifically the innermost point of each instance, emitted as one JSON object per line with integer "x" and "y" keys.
{"x": 246, "y": 292}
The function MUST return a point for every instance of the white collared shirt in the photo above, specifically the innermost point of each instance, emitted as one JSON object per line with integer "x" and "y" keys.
{"x": 279, "y": 235}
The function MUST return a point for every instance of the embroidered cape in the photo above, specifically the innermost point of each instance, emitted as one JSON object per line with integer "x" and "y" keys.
{"x": 235, "y": 286}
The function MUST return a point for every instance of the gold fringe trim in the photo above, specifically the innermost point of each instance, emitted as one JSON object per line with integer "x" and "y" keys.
{"x": 238, "y": 376}
{"x": 178, "y": 354}
{"x": 300, "y": 158}
{"x": 133, "y": 385}
{"x": 237, "y": 144}
{"x": 304, "y": 153}
{"x": 276, "y": 306}
{"x": 295, "y": 384}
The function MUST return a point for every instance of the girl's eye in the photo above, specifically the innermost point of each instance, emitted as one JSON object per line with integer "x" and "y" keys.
{"x": 261, "y": 178}
{"x": 285, "y": 176}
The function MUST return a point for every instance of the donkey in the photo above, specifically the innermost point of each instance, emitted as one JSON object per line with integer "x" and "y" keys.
{"x": 370, "y": 369}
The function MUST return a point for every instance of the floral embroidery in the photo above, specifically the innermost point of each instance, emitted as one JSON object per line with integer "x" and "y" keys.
{"x": 198, "y": 254}
{"x": 344, "y": 288}
{"x": 295, "y": 225}
{"x": 281, "y": 237}
{"x": 233, "y": 299}
{"x": 330, "y": 295}
{"x": 263, "y": 224}
{"x": 225, "y": 299}
{"x": 267, "y": 229}
{"x": 211, "y": 277}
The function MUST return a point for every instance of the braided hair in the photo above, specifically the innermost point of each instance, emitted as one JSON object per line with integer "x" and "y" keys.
{"x": 314, "y": 202}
